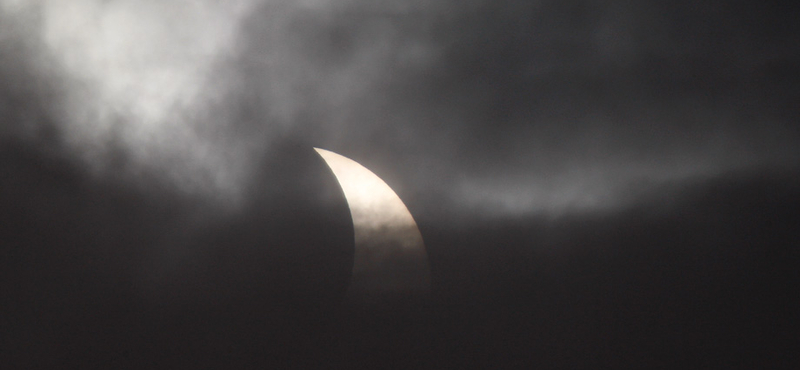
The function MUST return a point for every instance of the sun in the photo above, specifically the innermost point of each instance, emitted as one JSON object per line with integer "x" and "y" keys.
{"x": 389, "y": 250}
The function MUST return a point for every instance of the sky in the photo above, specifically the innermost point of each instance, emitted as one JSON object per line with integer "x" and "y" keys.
{"x": 598, "y": 184}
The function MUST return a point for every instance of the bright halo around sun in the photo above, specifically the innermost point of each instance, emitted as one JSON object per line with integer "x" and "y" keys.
{"x": 389, "y": 254}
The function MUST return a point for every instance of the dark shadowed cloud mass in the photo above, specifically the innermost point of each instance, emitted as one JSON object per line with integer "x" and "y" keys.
{"x": 599, "y": 184}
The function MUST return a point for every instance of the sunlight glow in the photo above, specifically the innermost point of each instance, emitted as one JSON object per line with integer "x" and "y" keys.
{"x": 389, "y": 251}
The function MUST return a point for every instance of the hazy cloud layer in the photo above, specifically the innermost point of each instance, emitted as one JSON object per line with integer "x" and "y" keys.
{"x": 507, "y": 107}
{"x": 597, "y": 184}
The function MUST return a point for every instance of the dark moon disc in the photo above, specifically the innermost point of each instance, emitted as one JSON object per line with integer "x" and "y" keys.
{"x": 101, "y": 273}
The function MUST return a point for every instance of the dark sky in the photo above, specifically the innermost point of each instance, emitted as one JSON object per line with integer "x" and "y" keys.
{"x": 598, "y": 184}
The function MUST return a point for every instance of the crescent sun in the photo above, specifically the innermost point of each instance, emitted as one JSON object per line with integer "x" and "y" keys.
{"x": 390, "y": 255}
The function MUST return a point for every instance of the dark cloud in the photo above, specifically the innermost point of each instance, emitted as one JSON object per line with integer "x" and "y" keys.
{"x": 597, "y": 184}
{"x": 544, "y": 105}
{"x": 95, "y": 272}
{"x": 576, "y": 101}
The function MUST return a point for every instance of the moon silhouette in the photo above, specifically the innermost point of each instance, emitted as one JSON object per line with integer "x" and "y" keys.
{"x": 390, "y": 255}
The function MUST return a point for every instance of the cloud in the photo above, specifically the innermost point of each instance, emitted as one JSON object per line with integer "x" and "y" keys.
{"x": 551, "y": 108}
{"x": 579, "y": 171}
{"x": 140, "y": 85}
{"x": 502, "y": 107}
